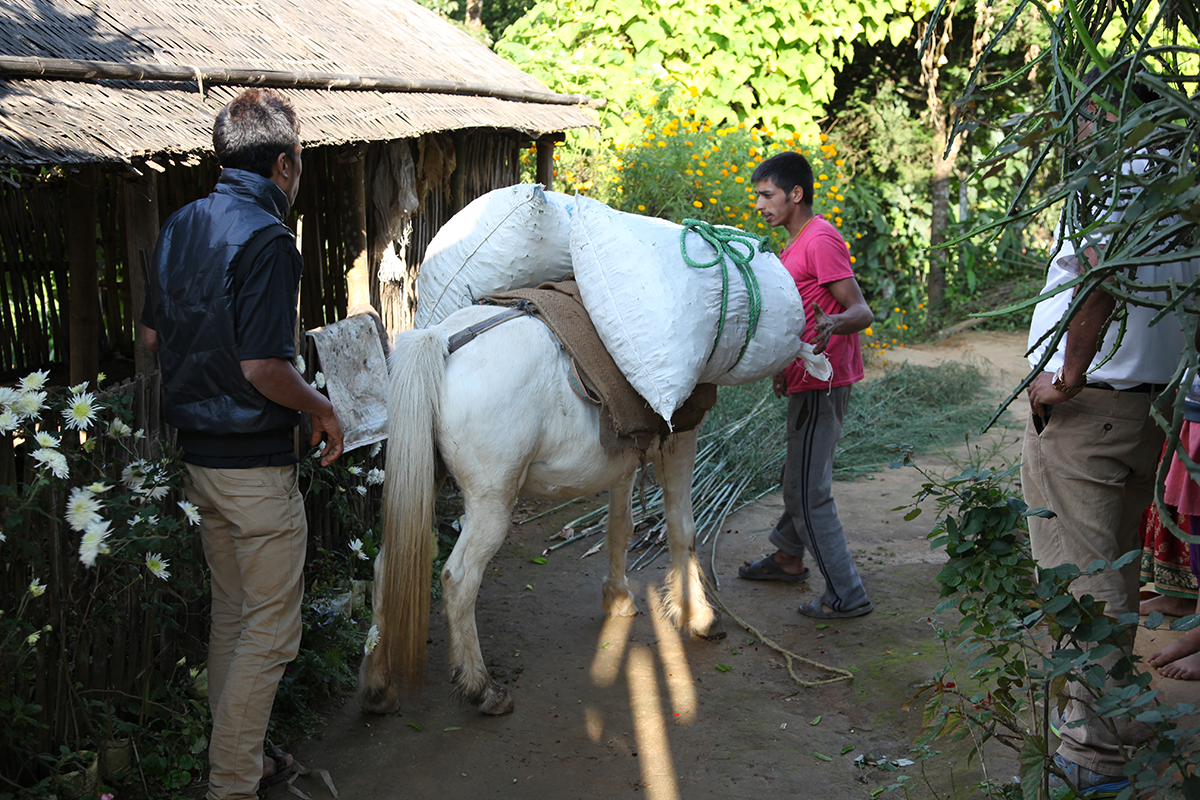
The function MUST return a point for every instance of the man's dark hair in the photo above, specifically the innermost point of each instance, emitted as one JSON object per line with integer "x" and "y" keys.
{"x": 1113, "y": 95}
{"x": 787, "y": 170}
{"x": 253, "y": 129}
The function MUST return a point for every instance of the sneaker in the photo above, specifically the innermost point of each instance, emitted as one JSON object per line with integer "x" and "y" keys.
{"x": 1091, "y": 784}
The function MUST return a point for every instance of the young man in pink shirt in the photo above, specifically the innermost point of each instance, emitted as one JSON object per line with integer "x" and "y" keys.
{"x": 818, "y": 260}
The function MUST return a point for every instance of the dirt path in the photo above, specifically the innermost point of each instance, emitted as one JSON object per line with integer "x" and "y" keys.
{"x": 625, "y": 708}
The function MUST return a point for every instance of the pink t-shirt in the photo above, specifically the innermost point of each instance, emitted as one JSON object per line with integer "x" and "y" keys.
{"x": 817, "y": 258}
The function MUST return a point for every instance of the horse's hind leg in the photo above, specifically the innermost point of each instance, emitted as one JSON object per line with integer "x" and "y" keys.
{"x": 618, "y": 600}
{"x": 484, "y": 529}
{"x": 686, "y": 606}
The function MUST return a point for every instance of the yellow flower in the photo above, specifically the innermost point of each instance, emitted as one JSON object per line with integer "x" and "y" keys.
{"x": 824, "y": 138}
{"x": 838, "y": 221}
{"x": 897, "y": 309}
{"x": 697, "y": 204}
{"x": 693, "y": 91}
{"x": 827, "y": 216}
{"x": 853, "y": 260}
{"x": 641, "y": 208}
{"x": 869, "y": 332}
{"x": 712, "y": 200}
{"x": 739, "y": 179}
{"x": 839, "y": 198}
{"x": 649, "y": 135}
{"x": 835, "y": 210}
{"x": 840, "y": 163}
{"x": 822, "y": 177}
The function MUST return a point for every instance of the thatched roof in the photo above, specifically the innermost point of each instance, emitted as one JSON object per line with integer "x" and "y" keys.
{"x": 372, "y": 70}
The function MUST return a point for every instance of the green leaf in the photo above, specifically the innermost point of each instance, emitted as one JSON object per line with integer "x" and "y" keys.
{"x": 847, "y": 749}
{"x": 910, "y": 516}
{"x": 822, "y": 626}
{"x": 414, "y": 726}
{"x": 723, "y": 667}
{"x": 452, "y": 728}
{"x": 538, "y": 560}
{"x": 821, "y": 756}
{"x": 815, "y": 720}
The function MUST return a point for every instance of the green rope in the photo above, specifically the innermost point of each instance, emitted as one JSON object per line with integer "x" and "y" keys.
{"x": 727, "y": 242}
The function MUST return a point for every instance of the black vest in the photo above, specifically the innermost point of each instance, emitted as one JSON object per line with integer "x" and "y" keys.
{"x": 192, "y": 290}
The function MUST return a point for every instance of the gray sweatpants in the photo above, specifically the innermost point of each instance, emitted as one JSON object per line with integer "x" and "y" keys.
{"x": 810, "y": 522}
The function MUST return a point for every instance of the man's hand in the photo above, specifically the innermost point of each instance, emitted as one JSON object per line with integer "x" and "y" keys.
{"x": 328, "y": 424}
{"x": 822, "y": 329}
{"x": 779, "y": 384}
{"x": 279, "y": 381}
{"x": 1042, "y": 393}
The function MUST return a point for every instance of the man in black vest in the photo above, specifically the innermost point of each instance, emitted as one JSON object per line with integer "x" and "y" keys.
{"x": 221, "y": 314}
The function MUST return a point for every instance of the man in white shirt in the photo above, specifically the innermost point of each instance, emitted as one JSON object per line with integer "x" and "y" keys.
{"x": 1090, "y": 455}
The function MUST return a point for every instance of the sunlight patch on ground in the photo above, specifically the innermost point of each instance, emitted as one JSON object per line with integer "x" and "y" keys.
{"x": 678, "y": 673}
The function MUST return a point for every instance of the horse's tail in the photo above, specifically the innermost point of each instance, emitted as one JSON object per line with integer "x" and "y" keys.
{"x": 403, "y": 571}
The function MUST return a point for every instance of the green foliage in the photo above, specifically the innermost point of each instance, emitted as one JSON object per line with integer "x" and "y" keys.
{"x": 1143, "y": 41}
{"x": 743, "y": 62}
{"x": 1028, "y": 638}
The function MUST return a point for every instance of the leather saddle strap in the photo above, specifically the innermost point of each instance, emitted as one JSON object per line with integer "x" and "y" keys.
{"x": 468, "y": 334}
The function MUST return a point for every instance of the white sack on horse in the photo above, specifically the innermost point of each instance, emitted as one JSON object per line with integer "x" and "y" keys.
{"x": 659, "y": 317}
{"x": 510, "y": 238}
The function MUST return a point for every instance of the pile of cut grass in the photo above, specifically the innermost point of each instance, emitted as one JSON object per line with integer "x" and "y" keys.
{"x": 742, "y": 442}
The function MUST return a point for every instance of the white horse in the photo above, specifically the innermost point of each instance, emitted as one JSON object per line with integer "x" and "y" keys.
{"x": 502, "y": 416}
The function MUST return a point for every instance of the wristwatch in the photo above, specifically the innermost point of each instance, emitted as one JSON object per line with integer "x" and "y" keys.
{"x": 1061, "y": 385}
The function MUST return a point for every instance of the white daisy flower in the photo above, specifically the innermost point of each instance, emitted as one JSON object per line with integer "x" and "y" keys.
{"x": 300, "y": 364}
{"x": 190, "y": 511}
{"x": 375, "y": 448}
{"x": 152, "y": 492}
{"x": 372, "y": 640}
{"x": 37, "y": 588}
{"x": 134, "y": 474}
{"x": 8, "y": 395}
{"x": 100, "y": 378}
{"x": 320, "y": 447}
{"x": 55, "y": 461}
{"x": 354, "y": 469}
{"x": 81, "y": 410}
{"x": 94, "y": 542}
{"x": 356, "y": 546}
{"x": 361, "y": 490}
{"x": 32, "y": 638}
{"x": 3, "y": 538}
{"x": 34, "y": 381}
{"x": 83, "y": 509}
{"x": 158, "y": 565}
{"x": 139, "y": 434}
{"x": 44, "y": 439}
{"x": 117, "y": 429}
{"x": 99, "y": 487}
{"x": 78, "y": 388}
{"x": 319, "y": 380}
{"x": 375, "y": 477}
{"x": 8, "y": 421}
{"x": 30, "y": 405}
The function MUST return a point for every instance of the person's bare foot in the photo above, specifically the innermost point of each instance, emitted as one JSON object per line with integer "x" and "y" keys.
{"x": 1181, "y": 649}
{"x": 1183, "y": 669}
{"x": 1166, "y": 604}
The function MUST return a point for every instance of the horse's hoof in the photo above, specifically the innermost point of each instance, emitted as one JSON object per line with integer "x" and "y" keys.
{"x": 382, "y": 700}
{"x": 715, "y": 631}
{"x": 496, "y": 701}
{"x": 618, "y": 601}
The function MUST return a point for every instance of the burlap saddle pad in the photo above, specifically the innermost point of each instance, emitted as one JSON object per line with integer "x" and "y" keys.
{"x": 626, "y": 420}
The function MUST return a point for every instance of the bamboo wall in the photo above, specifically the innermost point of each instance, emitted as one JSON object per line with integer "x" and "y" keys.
{"x": 110, "y": 659}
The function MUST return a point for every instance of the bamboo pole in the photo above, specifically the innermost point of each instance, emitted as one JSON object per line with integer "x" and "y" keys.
{"x": 84, "y": 317}
{"x": 70, "y": 69}
{"x": 139, "y": 204}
